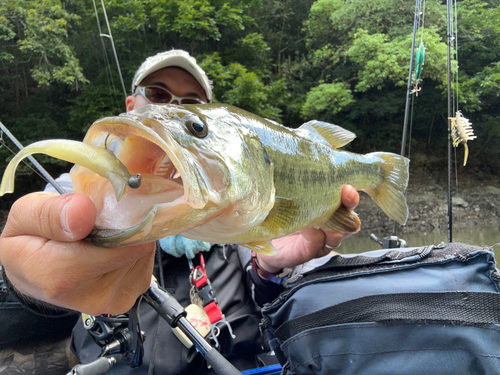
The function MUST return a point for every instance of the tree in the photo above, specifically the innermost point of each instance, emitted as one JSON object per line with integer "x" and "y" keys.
{"x": 33, "y": 37}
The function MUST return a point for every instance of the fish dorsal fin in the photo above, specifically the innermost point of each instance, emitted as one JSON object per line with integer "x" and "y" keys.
{"x": 330, "y": 135}
{"x": 261, "y": 247}
{"x": 343, "y": 221}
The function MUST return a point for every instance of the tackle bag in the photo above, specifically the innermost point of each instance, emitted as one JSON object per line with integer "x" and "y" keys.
{"x": 428, "y": 310}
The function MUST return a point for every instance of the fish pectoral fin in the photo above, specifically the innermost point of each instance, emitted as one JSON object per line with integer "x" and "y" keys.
{"x": 261, "y": 247}
{"x": 330, "y": 135}
{"x": 282, "y": 215}
{"x": 343, "y": 221}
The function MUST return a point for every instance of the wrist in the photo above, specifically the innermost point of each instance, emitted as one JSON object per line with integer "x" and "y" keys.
{"x": 35, "y": 306}
{"x": 265, "y": 266}
{"x": 279, "y": 276}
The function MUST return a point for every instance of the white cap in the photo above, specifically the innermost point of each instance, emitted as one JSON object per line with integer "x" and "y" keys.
{"x": 175, "y": 57}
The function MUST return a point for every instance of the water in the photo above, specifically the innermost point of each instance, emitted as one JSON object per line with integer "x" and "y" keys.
{"x": 480, "y": 236}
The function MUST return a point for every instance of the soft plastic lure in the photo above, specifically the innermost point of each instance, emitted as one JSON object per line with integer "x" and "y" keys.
{"x": 461, "y": 132}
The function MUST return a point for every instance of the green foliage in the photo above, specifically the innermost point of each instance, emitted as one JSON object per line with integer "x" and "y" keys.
{"x": 34, "y": 34}
{"x": 346, "y": 62}
{"x": 96, "y": 101}
{"x": 198, "y": 20}
{"x": 327, "y": 97}
{"x": 237, "y": 86}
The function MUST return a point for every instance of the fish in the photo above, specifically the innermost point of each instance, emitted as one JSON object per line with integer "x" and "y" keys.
{"x": 220, "y": 174}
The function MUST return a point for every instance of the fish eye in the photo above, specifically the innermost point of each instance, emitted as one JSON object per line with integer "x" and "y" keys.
{"x": 196, "y": 127}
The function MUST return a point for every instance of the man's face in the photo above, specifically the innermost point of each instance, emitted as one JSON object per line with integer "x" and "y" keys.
{"x": 176, "y": 80}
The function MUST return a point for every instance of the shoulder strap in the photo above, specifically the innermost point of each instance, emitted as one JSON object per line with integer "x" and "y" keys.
{"x": 463, "y": 308}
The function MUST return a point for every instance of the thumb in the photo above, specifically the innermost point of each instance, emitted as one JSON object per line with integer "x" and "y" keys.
{"x": 350, "y": 197}
{"x": 68, "y": 217}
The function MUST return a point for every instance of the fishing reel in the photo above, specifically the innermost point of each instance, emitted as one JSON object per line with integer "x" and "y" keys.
{"x": 118, "y": 336}
{"x": 390, "y": 242}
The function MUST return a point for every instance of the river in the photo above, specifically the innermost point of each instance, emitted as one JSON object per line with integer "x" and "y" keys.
{"x": 480, "y": 236}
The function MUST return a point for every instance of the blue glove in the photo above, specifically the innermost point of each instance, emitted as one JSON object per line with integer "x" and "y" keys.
{"x": 179, "y": 246}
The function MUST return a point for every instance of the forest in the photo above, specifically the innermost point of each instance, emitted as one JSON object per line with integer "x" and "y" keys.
{"x": 340, "y": 61}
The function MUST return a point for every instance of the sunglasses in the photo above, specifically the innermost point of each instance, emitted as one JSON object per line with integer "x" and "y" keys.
{"x": 160, "y": 95}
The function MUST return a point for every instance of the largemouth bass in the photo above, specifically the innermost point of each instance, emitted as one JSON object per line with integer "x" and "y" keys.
{"x": 219, "y": 174}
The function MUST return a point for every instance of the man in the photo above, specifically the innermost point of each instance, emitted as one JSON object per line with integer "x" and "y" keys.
{"x": 50, "y": 266}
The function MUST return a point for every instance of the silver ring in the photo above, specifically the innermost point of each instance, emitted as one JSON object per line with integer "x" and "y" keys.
{"x": 330, "y": 247}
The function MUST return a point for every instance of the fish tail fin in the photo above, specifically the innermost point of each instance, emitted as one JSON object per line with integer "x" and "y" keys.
{"x": 389, "y": 195}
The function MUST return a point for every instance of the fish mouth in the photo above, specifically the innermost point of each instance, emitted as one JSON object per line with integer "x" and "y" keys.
{"x": 170, "y": 182}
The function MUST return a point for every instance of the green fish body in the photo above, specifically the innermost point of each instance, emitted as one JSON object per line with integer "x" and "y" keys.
{"x": 219, "y": 174}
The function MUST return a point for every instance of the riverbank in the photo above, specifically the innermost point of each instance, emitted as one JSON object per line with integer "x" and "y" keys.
{"x": 475, "y": 202}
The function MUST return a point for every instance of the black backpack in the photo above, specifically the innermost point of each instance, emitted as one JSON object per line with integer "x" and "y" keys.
{"x": 428, "y": 310}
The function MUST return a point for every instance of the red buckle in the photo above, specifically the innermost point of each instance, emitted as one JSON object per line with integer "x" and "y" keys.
{"x": 199, "y": 277}
{"x": 213, "y": 311}
{"x": 199, "y": 274}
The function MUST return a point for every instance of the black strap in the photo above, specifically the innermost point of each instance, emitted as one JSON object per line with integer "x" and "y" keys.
{"x": 464, "y": 308}
{"x": 33, "y": 305}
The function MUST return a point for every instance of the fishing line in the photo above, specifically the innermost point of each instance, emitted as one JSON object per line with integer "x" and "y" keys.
{"x": 110, "y": 36}
{"x": 411, "y": 126}
{"x": 422, "y": 14}
{"x": 107, "y": 69}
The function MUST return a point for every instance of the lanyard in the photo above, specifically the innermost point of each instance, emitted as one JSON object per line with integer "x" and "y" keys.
{"x": 203, "y": 295}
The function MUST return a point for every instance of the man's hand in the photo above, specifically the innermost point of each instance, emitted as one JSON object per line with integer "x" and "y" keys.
{"x": 300, "y": 247}
{"x": 45, "y": 256}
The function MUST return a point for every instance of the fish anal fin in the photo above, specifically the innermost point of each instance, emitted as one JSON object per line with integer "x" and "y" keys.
{"x": 344, "y": 221}
{"x": 261, "y": 247}
{"x": 330, "y": 135}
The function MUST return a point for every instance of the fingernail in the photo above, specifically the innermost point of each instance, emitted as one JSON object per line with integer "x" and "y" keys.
{"x": 352, "y": 194}
{"x": 65, "y": 218}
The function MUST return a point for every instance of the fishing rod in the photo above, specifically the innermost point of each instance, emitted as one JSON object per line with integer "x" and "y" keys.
{"x": 394, "y": 241}
{"x": 409, "y": 91}
{"x": 37, "y": 165}
{"x": 450, "y": 114}
{"x": 110, "y": 37}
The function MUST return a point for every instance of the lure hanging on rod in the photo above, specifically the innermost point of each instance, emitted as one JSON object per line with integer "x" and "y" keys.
{"x": 461, "y": 132}
{"x": 419, "y": 65}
